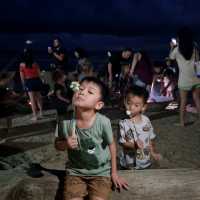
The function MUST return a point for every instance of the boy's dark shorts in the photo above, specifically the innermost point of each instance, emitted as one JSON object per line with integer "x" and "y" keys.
{"x": 81, "y": 186}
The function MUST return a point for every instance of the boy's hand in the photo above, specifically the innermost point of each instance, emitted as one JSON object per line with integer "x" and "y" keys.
{"x": 156, "y": 156}
{"x": 119, "y": 182}
{"x": 72, "y": 142}
{"x": 140, "y": 144}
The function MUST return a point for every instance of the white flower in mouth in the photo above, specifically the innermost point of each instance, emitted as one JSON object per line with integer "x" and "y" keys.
{"x": 128, "y": 112}
{"x": 74, "y": 86}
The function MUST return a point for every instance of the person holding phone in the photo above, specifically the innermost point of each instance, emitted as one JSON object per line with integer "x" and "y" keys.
{"x": 58, "y": 55}
{"x": 184, "y": 51}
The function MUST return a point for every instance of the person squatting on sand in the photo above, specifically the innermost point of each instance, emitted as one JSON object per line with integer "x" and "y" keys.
{"x": 136, "y": 133}
{"x": 91, "y": 150}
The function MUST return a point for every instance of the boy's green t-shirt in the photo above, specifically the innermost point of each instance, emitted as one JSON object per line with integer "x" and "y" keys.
{"x": 92, "y": 158}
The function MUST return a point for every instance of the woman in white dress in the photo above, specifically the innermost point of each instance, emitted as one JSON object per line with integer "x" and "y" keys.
{"x": 185, "y": 53}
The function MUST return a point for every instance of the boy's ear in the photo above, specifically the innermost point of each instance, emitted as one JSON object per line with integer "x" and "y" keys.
{"x": 144, "y": 108}
{"x": 99, "y": 105}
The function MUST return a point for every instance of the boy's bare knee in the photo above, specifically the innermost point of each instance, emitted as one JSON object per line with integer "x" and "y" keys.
{"x": 76, "y": 198}
{"x": 96, "y": 198}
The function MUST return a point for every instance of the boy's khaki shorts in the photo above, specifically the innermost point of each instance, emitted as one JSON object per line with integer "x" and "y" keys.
{"x": 81, "y": 186}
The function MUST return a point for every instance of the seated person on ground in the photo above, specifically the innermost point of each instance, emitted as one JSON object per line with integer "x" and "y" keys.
{"x": 86, "y": 69}
{"x": 61, "y": 97}
{"x": 163, "y": 85}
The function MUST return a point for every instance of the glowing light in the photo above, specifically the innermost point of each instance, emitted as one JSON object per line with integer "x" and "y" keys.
{"x": 128, "y": 112}
{"x": 172, "y": 106}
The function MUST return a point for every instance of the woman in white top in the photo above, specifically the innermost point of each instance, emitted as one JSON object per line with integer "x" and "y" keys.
{"x": 184, "y": 52}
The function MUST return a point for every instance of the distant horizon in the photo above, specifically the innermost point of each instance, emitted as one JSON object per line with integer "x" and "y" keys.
{"x": 12, "y": 45}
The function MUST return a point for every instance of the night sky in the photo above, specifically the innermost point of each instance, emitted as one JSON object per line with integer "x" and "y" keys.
{"x": 95, "y": 25}
{"x": 120, "y": 17}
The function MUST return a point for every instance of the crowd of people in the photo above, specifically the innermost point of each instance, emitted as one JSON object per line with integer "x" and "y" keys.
{"x": 169, "y": 80}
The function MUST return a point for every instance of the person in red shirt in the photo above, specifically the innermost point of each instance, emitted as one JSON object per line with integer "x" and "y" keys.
{"x": 30, "y": 77}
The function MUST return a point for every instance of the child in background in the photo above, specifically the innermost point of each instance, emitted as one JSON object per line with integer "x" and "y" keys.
{"x": 92, "y": 150}
{"x": 136, "y": 134}
{"x": 169, "y": 83}
{"x": 162, "y": 86}
{"x": 85, "y": 69}
{"x": 61, "y": 96}
{"x": 155, "y": 91}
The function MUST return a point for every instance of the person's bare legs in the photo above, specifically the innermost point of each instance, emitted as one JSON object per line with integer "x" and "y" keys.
{"x": 31, "y": 95}
{"x": 183, "y": 101}
{"x": 196, "y": 98}
{"x": 39, "y": 101}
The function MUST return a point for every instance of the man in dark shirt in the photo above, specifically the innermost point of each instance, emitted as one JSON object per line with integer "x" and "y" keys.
{"x": 59, "y": 55}
{"x": 116, "y": 60}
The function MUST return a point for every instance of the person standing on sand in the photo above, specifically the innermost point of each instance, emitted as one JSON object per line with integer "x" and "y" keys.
{"x": 185, "y": 53}
{"x": 30, "y": 77}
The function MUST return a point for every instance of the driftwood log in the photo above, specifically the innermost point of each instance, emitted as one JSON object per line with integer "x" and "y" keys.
{"x": 155, "y": 184}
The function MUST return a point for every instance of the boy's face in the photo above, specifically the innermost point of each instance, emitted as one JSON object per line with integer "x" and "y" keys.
{"x": 88, "y": 96}
{"x": 135, "y": 104}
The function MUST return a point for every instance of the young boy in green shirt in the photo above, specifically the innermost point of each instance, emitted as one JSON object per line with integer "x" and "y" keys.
{"x": 91, "y": 151}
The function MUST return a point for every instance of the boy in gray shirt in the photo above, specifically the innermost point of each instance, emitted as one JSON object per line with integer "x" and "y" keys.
{"x": 136, "y": 133}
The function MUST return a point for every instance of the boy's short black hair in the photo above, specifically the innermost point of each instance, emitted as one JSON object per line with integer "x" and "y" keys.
{"x": 138, "y": 91}
{"x": 103, "y": 88}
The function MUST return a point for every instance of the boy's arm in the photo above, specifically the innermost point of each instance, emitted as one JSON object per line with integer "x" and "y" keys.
{"x": 125, "y": 141}
{"x": 152, "y": 145}
{"x": 63, "y": 139}
{"x": 66, "y": 143}
{"x": 153, "y": 151}
{"x": 118, "y": 181}
{"x": 129, "y": 145}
